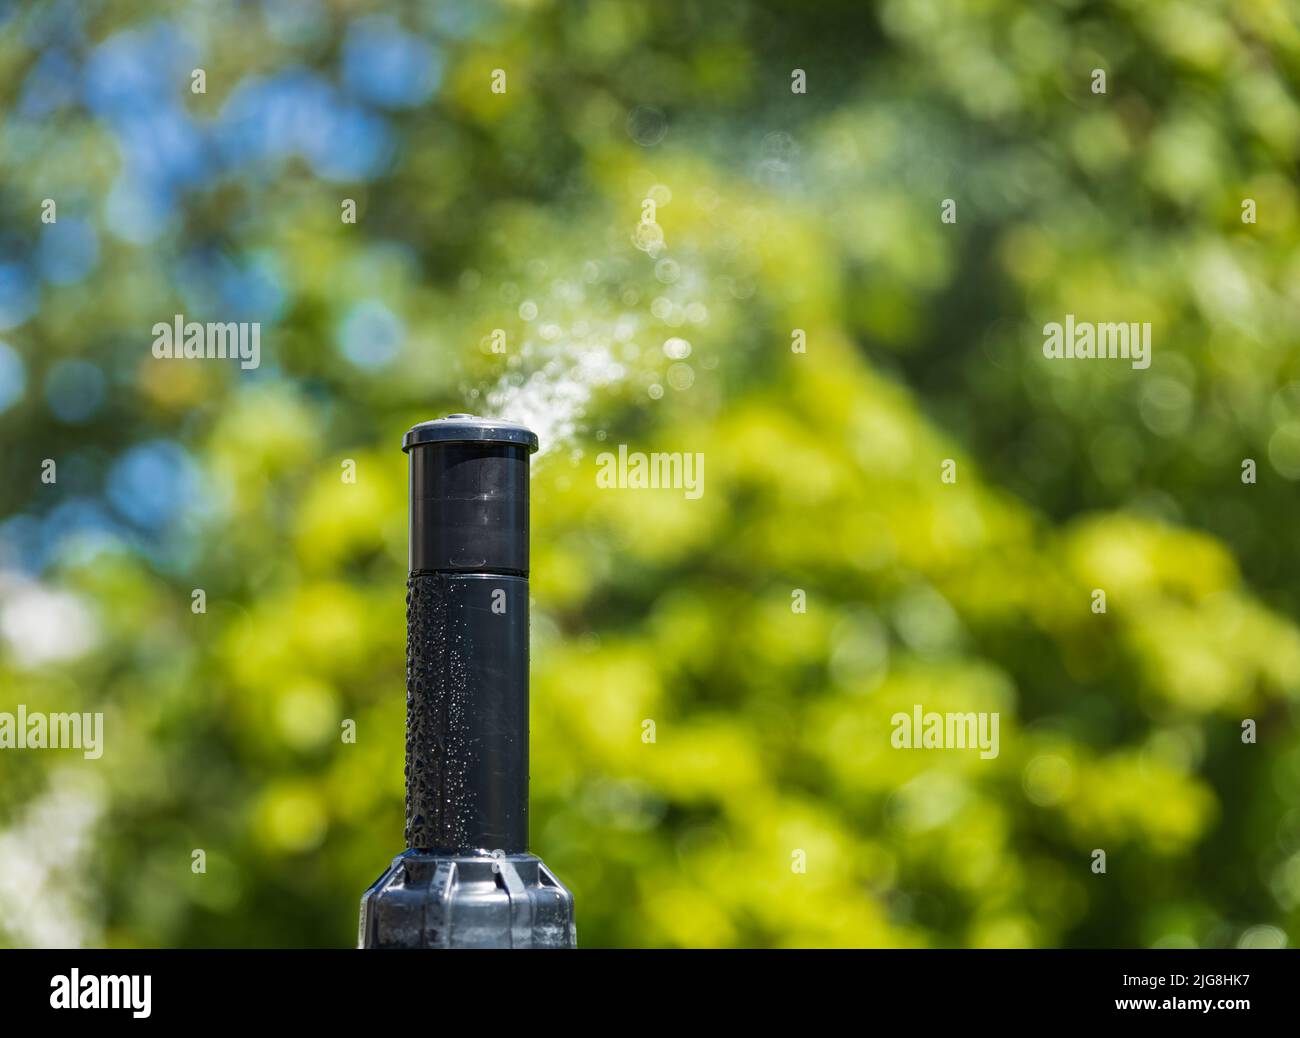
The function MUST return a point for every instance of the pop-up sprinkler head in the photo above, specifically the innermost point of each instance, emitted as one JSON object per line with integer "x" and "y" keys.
{"x": 466, "y": 879}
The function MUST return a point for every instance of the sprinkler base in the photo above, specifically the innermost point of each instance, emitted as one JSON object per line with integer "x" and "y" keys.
{"x": 477, "y": 900}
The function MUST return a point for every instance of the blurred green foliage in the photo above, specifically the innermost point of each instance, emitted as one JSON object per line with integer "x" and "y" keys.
{"x": 775, "y": 211}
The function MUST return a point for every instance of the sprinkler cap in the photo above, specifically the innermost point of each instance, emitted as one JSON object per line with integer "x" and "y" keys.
{"x": 466, "y": 428}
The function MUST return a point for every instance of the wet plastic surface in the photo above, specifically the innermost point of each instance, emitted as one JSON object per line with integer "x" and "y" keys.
{"x": 467, "y": 712}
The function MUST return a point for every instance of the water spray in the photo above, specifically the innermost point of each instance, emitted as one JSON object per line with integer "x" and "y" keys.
{"x": 466, "y": 879}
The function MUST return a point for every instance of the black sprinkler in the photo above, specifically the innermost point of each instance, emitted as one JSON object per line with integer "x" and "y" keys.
{"x": 466, "y": 879}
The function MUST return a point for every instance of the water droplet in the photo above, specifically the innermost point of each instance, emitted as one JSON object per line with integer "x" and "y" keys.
{"x": 648, "y": 236}
{"x": 677, "y": 349}
{"x": 647, "y": 125}
{"x": 667, "y": 271}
